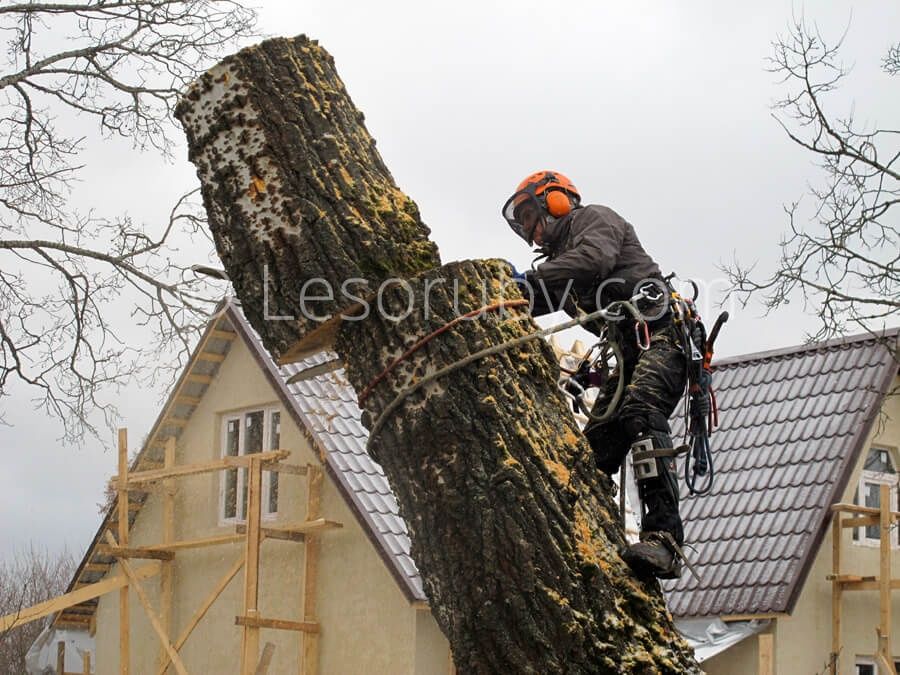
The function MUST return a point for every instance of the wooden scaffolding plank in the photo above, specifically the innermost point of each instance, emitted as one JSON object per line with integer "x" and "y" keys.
{"x": 204, "y": 608}
{"x": 135, "y": 552}
{"x": 140, "y": 477}
{"x": 262, "y": 668}
{"x": 836, "y": 591}
{"x": 166, "y": 578}
{"x": 766, "y": 664}
{"x": 148, "y": 610}
{"x": 277, "y": 624}
{"x": 884, "y": 591}
{"x": 199, "y": 379}
{"x": 202, "y": 542}
{"x": 84, "y": 593}
{"x": 222, "y": 334}
{"x": 250, "y": 640}
{"x": 865, "y": 510}
{"x": 309, "y": 645}
{"x": 124, "y": 611}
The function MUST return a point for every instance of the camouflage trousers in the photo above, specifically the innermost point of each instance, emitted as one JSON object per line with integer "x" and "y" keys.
{"x": 654, "y": 384}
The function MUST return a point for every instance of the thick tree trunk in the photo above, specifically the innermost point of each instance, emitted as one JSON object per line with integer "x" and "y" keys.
{"x": 514, "y": 530}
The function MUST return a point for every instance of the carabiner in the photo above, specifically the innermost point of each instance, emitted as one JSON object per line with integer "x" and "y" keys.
{"x": 642, "y": 331}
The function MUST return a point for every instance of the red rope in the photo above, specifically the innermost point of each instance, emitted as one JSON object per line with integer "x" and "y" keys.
{"x": 425, "y": 340}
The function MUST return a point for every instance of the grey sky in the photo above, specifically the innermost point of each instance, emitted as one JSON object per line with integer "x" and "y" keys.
{"x": 659, "y": 110}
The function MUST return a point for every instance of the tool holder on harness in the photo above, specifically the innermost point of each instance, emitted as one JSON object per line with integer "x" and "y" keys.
{"x": 701, "y": 412}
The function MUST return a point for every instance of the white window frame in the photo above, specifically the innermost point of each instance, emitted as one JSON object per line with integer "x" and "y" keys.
{"x": 267, "y": 477}
{"x": 877, "y": 478}
{"x": 870, "y": 661}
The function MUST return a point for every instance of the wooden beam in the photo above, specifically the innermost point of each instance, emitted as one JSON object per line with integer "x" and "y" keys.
{"x": 309, "y": 657}
{"x": 124, "y": 611}
{"x": 103, "y": 568}
{"x": 222, "y": 334}
{"x": 270, "y": 533}
{"x": 141, "y": 477}
{"x": 766, "y": 663}
{"x": 864, "y": 510}
{"x": 250, "y": 639}
{"x": 202, "y": 542}
{"x": 166, "y": 578}
{"x": 148, "y": 610}
{"x": 884, "y": 591}
{"x": 836, "y": 591}
{"x": 278, "y": 624}
{"x": 61, "y": 658}
{"x": 869, "y": 584}
{"x": 188, "y": 400}
{"x": 200, "y": 379}
{"x": 262, "y": 668}
{"x": 135, "y": 552}
{"x": 861, "y": 521}
{"x": 761, "y": 616}
{"x": 179, "y": 422}
{"x": 204, "y": 608}
{"x": 62, "y": 602}
{"x": 212, "y": 357}
{"x": 86, "y": 662}
{"x": 280, "y": 467}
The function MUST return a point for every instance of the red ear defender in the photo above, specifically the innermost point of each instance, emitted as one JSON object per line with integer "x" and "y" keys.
{"x": 558, "y": 204}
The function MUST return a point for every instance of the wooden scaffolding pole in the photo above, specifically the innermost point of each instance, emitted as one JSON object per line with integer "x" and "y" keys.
{"x": 148, "y": 610}
{"x": 836, "y": 592}
{"x": 250, "y": 641}
{"x": 884, "y": 583}
{"x": 166, "y": 578}
{"x": 309, "y": 642}
{"x": 124, "y": 614}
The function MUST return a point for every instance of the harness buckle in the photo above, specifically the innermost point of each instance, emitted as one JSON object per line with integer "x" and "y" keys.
{"x": 642, "y": 335}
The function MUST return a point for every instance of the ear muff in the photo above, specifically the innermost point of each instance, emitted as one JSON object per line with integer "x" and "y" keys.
{"x": 558, "y": 204}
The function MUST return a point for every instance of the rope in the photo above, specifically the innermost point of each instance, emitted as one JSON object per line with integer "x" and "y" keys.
{"x": 491, "y": 351}
{"x": 425, "y": 340}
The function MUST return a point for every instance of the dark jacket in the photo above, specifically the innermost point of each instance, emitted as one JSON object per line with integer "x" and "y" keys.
{"x": 590, "y": 246}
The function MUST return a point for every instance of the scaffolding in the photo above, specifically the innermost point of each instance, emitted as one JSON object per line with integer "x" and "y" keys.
{"x": 852, "y": 515}
{"x": 253, "y": 661}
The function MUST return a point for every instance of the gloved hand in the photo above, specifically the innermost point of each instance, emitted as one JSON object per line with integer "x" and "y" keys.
{"x": 520, "y": 278}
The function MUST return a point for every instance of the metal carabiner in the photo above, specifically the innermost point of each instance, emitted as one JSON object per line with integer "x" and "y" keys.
{"x": 642, "y": 331}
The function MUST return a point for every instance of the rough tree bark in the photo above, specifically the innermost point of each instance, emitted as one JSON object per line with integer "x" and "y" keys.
{"x": 514, "y": 530}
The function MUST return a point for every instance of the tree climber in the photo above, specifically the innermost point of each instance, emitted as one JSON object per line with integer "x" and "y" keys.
{"x": 592, "y": 257}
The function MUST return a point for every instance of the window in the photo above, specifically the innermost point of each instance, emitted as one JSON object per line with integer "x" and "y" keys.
{"x": 248, "y": 433}
{"x": 878, "y": 470}
{"x": 866, "y": 666}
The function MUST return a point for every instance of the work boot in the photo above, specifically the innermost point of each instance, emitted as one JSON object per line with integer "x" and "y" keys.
{"x": 654, "y": 556}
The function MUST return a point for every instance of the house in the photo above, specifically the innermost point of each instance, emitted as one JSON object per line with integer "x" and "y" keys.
{"x": 337, "y": 591}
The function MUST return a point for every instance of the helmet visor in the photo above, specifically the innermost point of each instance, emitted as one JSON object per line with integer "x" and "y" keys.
{"x": 523, "y": 212}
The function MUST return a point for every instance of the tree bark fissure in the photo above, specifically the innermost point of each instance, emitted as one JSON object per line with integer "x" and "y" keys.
{"x": 513, "y": 529}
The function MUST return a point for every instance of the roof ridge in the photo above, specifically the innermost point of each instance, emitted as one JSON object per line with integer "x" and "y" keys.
{"x": 742, "y": 359}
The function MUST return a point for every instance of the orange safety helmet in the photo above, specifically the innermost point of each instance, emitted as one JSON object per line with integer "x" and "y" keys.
{"x": 541, "y": 192}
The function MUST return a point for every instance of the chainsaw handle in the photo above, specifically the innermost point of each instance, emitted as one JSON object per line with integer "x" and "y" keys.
{"x": 714, "y": 333}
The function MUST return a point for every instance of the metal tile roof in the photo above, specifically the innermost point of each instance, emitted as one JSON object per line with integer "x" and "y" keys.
{"x": 793, "y": 422}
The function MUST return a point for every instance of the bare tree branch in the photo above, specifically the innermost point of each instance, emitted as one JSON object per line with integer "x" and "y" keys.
{"x": 65, "y": 275}
{"x": 840, "y": 256}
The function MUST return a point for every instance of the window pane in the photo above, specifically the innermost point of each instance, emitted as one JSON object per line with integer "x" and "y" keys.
{"x": 873, "y": 499}
{"x": 879, "y": 459}
{"x": 253, "y": 442}
{"x": 231, "y": 449}
{"x": 865, "y": 669}
{"x": 274, "y": 444}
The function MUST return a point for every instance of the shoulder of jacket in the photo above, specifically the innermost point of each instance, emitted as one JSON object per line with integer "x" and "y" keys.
{"x": 596, "y": 214}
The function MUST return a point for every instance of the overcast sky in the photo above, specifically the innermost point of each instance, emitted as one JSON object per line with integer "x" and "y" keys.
{"x": 658, "y": 110}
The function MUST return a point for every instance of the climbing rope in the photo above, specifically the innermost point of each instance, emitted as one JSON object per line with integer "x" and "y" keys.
{"x": 611, "y": 311}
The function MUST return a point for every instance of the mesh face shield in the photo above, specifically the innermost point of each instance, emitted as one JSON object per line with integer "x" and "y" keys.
{"x": 523, "y": 211}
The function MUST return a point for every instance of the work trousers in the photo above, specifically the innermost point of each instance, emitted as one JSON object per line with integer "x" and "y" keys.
{"x": 654, "y": 384}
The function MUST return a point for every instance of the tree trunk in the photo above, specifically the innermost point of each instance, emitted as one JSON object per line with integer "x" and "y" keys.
{"x": 514, "y": 529}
